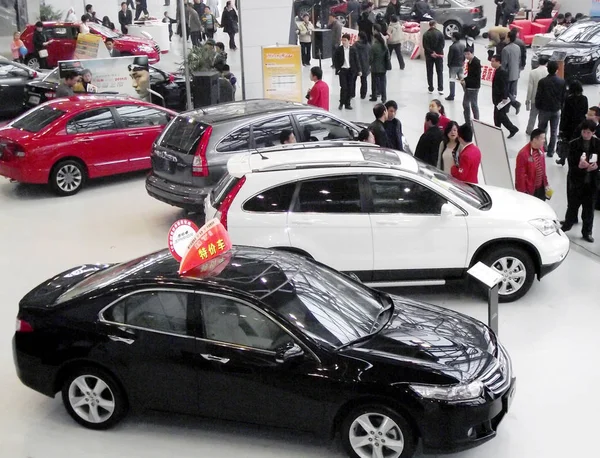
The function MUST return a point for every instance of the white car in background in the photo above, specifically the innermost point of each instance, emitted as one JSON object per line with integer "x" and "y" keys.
{"x": 385, "y": 216}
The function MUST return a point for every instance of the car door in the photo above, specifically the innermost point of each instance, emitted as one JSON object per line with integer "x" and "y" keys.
{"x": 328, "y": 220}
{"x": 12, "y": 87}
{"x": 240, "y": 379}
{"x": 411, "y": 237}
{"x": 151, "y": 345}
{"x": 314, "y": 127}
{"x": 141, "y": 126}
{"x": 62, "y": 44}
{"x": 95, "y": 137}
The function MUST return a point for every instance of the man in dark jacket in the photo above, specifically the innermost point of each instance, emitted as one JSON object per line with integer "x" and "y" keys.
{"x": 549, "y": 99}
{"x": 421, "y": 11}
{"x": 428, "y": 148}
{"x": 378, "y": 126}
{"x": 471, "y": 84}
{"x": 365, "y": 24}
{"x": 510, "y": 9}
{"x": 582, "y": 180}
{"x": 363, "y": 50}
{"x": 125, "y": 17}
{"x": 39, "y": 44}
{"x": 433, "y": 46}
{"x": 499, "y": 11}
{"x": 393, "y": 9}
{"x": 347, "y": 67}
{"x": 456, "y": 61}
{"x": 393, "y": 126}
{"x": 500, "y": 97}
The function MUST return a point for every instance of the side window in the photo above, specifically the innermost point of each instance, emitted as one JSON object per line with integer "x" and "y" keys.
{"x": 267, "y": 133}
{"x": 236, "y": 141}
{"x": 141, "y": 116}
{"x": 92, "y": 121}
{"x": 158, "y": 310}
{"x": 399, "y": 195}
{"x": 274, "y": 200}
{"x": 225, "y": 320}
{"x": 319, "y": 127}
{"x": 57, "y": 32}
{"x": 329, "y": 195}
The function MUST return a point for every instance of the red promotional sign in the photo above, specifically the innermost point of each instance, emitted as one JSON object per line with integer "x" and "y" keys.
{"x": 210, "y": 242}
{"x": 180, "y": 235}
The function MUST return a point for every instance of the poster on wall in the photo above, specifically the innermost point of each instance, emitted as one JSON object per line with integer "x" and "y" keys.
{"x": 282, "y": 73}
{"x": 119, "y": 75}
{"x": 90, "y": 46}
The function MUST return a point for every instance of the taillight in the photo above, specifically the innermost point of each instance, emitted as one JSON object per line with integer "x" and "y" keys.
{"x": 50, "y": 95}
{"x": 224, "y": 207}
{"x": 200, "y": 163}
{"x": 10, "y": 150}
{"x": 171, "y": 78}
{"x": 475, "y": 10}
{"x": 23, "y": 326}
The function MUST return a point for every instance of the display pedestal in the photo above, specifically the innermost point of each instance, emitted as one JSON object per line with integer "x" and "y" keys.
{"x": 205, "y": 88}
{"x": 491, "y": 279}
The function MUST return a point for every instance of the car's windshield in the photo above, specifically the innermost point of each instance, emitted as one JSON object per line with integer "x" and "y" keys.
{"x": 588, "y": 32}
{"x": 472, "y": 195}
{"x": 37, "y": 119}
{"x": 104, "y": 31}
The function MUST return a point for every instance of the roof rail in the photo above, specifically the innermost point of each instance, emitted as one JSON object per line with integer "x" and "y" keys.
{"x": 321, "y": 165}
{"x": 313, "y": 145}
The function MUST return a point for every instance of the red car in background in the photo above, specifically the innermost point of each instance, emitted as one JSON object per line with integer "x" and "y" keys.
{"x": 63, "y": 36}
{"x": 65, "y": 141}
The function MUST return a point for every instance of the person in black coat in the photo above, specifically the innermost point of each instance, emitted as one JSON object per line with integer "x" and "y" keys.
{"x": 582, "y": 180}
{"x": 428, "y": 148}
{"x": 471, "y": 84}
{"x": 393, "y": 9}
{"x": 40, "y": 43}
{"x": 365, "y": 25}
{"x": 500, "y": 94}
{"x": 125, "y": 17}
{"x": 571, "y": 116}
{"x": 393, "y": 126}
{"x": 347, "y": 67}
{"x": 433, "y": 47}
{"x": 230, "y": 23}
{"x": 499, "y": 12}
{"x": 378, "y": 126}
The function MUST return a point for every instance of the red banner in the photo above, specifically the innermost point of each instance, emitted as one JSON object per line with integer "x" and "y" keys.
{"x": 210, "y": 242}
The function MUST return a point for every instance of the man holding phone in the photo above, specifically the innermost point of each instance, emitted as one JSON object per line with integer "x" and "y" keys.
{"x": 582, "y": 180}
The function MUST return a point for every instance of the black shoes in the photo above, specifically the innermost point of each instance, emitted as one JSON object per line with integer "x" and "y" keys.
{"x": 513, "y": 133}
{"x": 564, "y": 227}
{"x": 340, "y": 106}
{"x": 588, "y": 238}
{"x": 373, "y": 99}
{"x": 560, "y": 161}
{"x": 449, "y": 98}
{"x": 348, "y": 107}
{"x": 517, "y": 107}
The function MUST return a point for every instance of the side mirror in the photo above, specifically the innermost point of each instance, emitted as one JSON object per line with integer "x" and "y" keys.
{"x": 448, "y": 210}
{"x": 288, "y": 352}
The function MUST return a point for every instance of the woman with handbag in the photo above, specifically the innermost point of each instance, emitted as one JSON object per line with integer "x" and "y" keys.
{"x": 229, "y": 22}
{"x": 40, "y": 43}
{"x": 572, "y": 115}
{"x": 380, "y": 63}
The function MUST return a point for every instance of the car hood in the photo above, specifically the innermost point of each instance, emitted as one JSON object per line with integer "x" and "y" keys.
{"x": 134, "y": 41}
{"x": 426, "y": 335}
{"x": 510, "y": 204}
{"x": 572, "y": 49}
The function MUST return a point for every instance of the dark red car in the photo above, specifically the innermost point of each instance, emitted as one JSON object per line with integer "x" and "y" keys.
{"x": 65, "y": 141}
{"x": 63, "y": 36}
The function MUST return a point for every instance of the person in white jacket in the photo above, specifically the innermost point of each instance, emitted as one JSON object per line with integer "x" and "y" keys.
{"x": 394, "y": 41}
{"x": 305, "y": 30}
{"x": 71, "y": 15}
{"x": 534, "y": 78}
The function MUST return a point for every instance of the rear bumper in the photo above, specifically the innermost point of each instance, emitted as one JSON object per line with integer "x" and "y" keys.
{"x": 480, "y": 22}
{"x": 23, "y": 174}
{"x": 33, "y": 373}
{"x": 182, "y": 196}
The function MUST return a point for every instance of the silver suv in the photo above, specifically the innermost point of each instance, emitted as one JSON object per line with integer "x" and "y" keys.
{"x": 191, "y": 155}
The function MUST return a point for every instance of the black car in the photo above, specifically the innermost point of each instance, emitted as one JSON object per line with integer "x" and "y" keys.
{"x": 14, "y": 77}
{"x": 579, "y": 46}
{"x": 170, "y": 87}
{"x": 273, "y": 338}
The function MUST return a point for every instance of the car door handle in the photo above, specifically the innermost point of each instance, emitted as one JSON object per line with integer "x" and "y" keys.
{"x": 215, "y": 358}
{"x": 85, "y": 140}
{"x": 308, "y": 222}
{"x": 386, "y": 223}
{"x": 139, "y": 134}
{"x": 121, "y": 339}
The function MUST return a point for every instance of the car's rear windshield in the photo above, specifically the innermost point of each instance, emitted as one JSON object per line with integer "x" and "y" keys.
{"x": 183, "y": 135}
{"x": 37, "y": 119}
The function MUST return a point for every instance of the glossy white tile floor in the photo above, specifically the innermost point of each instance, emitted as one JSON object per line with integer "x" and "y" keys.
{"x": 552, "y": 334}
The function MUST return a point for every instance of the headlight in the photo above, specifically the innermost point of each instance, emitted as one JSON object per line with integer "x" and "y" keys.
{"x": 580, "y": 59}
{"x": 545, "y": 226}
{"x": 145, "y": 48}
{"x": 460, "y": 392}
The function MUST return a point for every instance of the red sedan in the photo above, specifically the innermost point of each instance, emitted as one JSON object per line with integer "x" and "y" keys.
{"x": 65, "y": 141}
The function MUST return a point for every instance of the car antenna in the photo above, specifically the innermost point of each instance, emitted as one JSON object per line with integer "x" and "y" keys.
{"x": 262, "y": 156}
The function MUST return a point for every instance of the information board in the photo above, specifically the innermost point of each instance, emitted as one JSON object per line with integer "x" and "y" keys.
{"x": 282, "y": 73}
{"x": 494, "y": 158}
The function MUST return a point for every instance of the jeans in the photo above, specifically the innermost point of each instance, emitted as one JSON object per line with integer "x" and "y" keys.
{"x": 470, "y": 103}
{"x": 363, "y": 86}
{"x": 553, "y": 117}
{"x": 454, "y": 73}
{"x": 512, "y": 93}
{"x": 501, "y": 119}
{"x": 439, "y": 69}
{"x": 232, "y": 40}
{"x": 533, "y": 114}
{"x": 379, "y": 86}
{"x": 305, "y": 49}
{"x": 397, "y": 48}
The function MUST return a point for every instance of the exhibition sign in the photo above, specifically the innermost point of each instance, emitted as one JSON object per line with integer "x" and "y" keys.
{"x": 206, "y": 249}
{"x": 282, "y": 73}
{"x": 487, "y": 73}
{"x": 180, "y": 236}
{"x": 494, "y": 157}
{"x": 90, "y": 46}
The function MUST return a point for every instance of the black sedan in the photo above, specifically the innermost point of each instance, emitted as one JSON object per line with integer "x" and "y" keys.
{"x": 13, "y": 80}
{"x": 272, "y": 338}
{"x": 579, "y": 46}
{"x": 169, "y": 87}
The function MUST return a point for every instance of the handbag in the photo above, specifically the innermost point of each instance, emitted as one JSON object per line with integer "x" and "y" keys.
{"x": 43, "y": 53}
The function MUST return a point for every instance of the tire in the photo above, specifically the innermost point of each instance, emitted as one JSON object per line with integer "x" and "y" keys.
{"x": 67, "y": 177}
{"x": 358, "y": 442}
{"x": 32, "y": 62}
{"x": 596, "y": 72}
{"x": 94, "y": 410}
{"x": 513, "y": 263}
{"x": 450, "y": 27}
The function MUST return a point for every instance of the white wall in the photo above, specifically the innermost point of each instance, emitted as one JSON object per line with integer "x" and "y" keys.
{"x": 262, "y": 23}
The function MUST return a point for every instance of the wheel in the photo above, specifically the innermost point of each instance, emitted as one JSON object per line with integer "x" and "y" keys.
{"x": 67, "y": 177}
{"x": 596, "y": 72}
{"x": 93, "y": 398}
{"x": 517, "y": 270}
{"x": 32, "y": 62}
{"x": 450, "y": 27}
{"x": 376, "y": 431}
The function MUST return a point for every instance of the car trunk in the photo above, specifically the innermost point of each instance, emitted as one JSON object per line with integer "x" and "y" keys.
{"x": 39, "y": 92}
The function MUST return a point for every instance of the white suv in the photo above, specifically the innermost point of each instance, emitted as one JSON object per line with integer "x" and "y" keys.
{"x": 385, "y": 216}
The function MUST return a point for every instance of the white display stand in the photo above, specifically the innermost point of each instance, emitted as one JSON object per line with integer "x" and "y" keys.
{"x": 491, "y": 279}
{"x": 494, "y": 158}
{"x": 159, "y": 31}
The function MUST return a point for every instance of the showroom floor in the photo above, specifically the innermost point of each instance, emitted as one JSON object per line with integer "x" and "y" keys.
{"x": 550, "y": 333}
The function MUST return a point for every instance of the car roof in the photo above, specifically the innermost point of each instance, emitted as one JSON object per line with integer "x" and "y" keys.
{"x": 243, "y": 109}
{"x": 318, "y": 155}
{"x": 79, "y": 102}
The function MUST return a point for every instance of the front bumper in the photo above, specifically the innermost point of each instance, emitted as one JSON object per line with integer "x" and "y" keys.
{"x": 555, "y": 249}
{"x": 183, "y": 196}
{"x": 452, "y": 428}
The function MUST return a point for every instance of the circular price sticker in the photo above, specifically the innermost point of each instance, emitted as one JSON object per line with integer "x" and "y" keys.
{"x": 180, "y": 235}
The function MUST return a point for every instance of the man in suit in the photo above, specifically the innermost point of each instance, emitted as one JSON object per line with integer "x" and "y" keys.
{"x": 500, "y": 95}
{"x": 534, "y": 78}
{"x": 110, "y": 45}
{"x": 511, "y": 62}
{"x": 125, "y": 17}
{"x": 347, "y": 67}
{"x": 428, "y": 148}
{"x": 549, "y": 100}
{"x": 471, "y": 84}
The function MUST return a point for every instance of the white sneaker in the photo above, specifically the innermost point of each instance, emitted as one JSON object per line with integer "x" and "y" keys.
{"x": 441, "y": 92}
{"x": 431, "y": 92}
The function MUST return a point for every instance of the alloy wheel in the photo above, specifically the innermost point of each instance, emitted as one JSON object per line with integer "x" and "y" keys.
{"x": 91, "y": 398}
{"x": 514, "y": 274}
{"x": 450, "y": 28}
{"x": 375, "y": 435}
{"x": 68, "y": 178}
{"x": 33, "y": 63}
